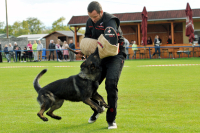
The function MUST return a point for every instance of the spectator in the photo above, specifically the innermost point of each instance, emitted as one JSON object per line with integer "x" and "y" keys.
{"x": 157, "y": 42}
{"x": 71, "y": 54}
{"x": 127, "y": 46}
{"x": 132, "y": 41}
{"x": 0, "y": 53}
{"x": 24, "y": 54}
{"x": 199, "y": 41}
{"x": 149, "y": 41}
{"x": 160, "y": 40}
{"x": 29, "y": 48}
{"x": 169, "y": 41}
{"x": 17, "y": 49}
{"x": 134, "y": 48}
{"x": 39, "y": 48}
{"x": 51, "y": 48}
{"x": 58, "y": 50}
{"x": 7, "y": 53}
{"x": 35, "y": 51}
{"x": 65, "y": 52}
{"x": 11, "y": 53}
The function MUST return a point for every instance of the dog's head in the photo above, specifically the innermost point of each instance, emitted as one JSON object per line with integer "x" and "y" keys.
{"x": 90, "y": 68}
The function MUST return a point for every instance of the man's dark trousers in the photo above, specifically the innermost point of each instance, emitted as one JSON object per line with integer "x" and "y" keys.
{"x": 111, "y": 70}
{"x": 51, "y": 52}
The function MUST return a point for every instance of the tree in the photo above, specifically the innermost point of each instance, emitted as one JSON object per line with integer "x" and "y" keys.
{"x": 2, "y": 27}
{"x": 10, "y": 30}
{"x": 35, "y": 26}
{"x": 58, "y": 25}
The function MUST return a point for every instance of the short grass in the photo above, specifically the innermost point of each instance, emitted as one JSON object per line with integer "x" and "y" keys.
{"x": 151, "y": 99}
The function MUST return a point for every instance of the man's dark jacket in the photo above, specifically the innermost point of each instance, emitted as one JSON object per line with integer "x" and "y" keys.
{"x": 94, "y": 30}
{"x": 51, "y": 46}
{"x": 72, "y": 46}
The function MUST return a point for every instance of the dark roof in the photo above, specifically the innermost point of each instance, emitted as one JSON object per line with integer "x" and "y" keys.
{"x": 66, "y": 33}
{"x": 137, "y": 17}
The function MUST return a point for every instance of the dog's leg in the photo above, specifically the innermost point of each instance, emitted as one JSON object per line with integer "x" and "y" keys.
{"x": 98, "y": 97}
{"x": 93, "y": 105}
{"x": 57, "y": 105}
{"x": 41, "y": 112}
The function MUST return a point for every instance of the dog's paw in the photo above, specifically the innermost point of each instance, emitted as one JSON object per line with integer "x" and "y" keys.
{"x": 54, "y": 116}
{"x": 44, "y": 119}
{"x": 100, "y": 110}
{"x": 106, "y": 105}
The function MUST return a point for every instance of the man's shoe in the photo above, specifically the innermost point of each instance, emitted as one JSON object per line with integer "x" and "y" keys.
{"x": 112, "y": 125}
{"x": 94, "y": 117}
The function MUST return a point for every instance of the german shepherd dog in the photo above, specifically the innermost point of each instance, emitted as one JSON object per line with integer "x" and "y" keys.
{"x": 80, "y": 87}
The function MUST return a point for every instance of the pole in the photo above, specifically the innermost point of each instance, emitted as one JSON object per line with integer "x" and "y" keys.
{"x": 6, "y": 19}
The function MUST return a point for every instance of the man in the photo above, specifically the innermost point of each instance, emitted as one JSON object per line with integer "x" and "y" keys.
{"x": 96, "y": 26}
{"x": 39, "y": 48}
{"x": 134, "y": 48}
{"x": 17, "y": 52}
{"x": 127, "y": 46}
{"x": 157, "y": 43}
{"x": 12, "y": 54}
{"x": 71, "y": 54}
{"x": 169, "y": 41}
{"x": 0, "y": 54}
{"x": 51, "y": 47}
{"x": 35, "y": 52}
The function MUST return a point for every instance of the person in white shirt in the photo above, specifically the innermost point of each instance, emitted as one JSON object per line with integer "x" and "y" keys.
{"x": 39, "y": 48}
{"x": 157, "y": 43}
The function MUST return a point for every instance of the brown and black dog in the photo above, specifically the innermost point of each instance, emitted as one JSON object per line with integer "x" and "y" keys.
{"x": 80, "y": 87}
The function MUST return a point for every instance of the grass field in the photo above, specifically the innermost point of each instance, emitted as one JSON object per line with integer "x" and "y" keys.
{"x": 151, "y": 99}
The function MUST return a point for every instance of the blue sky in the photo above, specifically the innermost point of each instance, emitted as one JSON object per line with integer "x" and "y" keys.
{"x": 50, "y": 10}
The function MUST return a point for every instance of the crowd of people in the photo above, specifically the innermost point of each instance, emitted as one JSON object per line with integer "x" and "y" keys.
{"x": 157, "y": 42}
{"x": 33, "y": 52}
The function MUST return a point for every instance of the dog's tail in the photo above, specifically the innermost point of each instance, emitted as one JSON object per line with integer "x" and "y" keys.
{"x": 36, "y": 83}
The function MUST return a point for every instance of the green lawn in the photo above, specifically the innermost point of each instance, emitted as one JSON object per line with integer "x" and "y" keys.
{"x": 151, "y": 99}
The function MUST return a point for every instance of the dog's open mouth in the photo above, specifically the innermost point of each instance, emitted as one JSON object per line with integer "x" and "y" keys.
{"x": 83, "y": 75}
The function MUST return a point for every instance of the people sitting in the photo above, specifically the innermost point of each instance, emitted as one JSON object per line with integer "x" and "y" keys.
{"x": 149, "y": 41}
{"x": 169, "y": 41}
{"x": 24, "y": 54}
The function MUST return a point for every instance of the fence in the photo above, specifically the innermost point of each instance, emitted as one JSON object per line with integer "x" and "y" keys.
{"x": 143, "y": 52}
{"x": 44, "y": 53}
{"x": 165, "y": 52}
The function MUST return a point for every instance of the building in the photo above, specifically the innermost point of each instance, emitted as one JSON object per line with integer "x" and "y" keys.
{"x": 37, "y": 37}
{"x": 63, "y": 36}
{"x": 162, "y": 23}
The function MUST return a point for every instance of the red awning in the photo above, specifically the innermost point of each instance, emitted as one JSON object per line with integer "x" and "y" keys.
{"x": 144, "y": 26}
{"x": 189, "y": 23}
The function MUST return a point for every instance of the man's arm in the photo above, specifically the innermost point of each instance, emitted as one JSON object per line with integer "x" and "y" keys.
{"x": 112, "y": 23}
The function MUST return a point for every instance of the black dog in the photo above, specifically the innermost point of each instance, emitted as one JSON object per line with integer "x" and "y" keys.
{"x": 79, "y": 87}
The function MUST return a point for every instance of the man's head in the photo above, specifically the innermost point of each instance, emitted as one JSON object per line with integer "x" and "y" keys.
{"x": 170, "y": 37}
{"x": 132, "y": 41}
{"x": 34, "y": 41}
{"x": 9, "y": 45}
{"x": 15, "y": 43}
{"x": 70, "y": 41}
{"x": 95, "y": 11}
{"x": 39, "y": 41}
{"x": 29, "y": 42}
